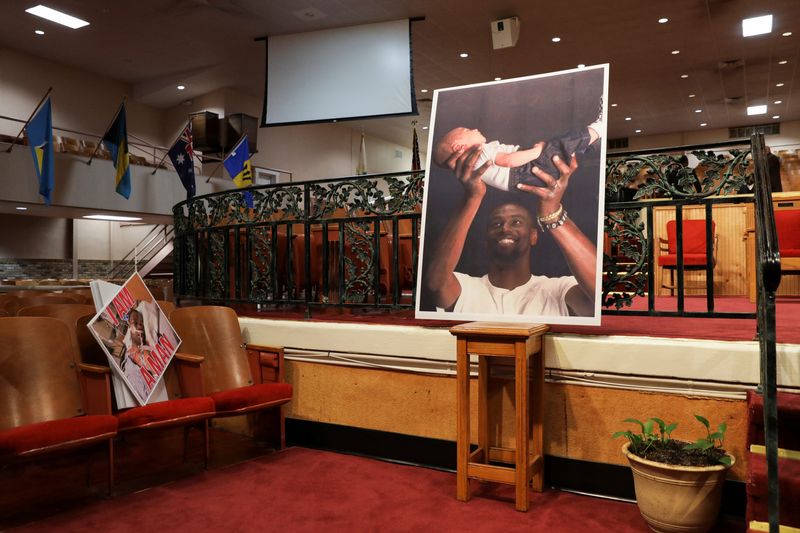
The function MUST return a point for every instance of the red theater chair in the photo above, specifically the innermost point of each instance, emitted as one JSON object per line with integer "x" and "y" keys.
{"x": 43, "y": 409}
{"x": 180, "y": 409}
{"x": 787, "y": 222}
{"x": 694, "y": 250}
{"x": 240, "y": 378}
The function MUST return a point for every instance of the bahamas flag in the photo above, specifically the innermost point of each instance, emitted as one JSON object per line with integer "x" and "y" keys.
{"x": 238, "y": 166}
{"x": 116, "y": 141}
{"x": 40, "y": 138}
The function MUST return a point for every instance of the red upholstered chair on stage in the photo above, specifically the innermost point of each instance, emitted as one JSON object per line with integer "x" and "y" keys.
{"x": 43, "y": 409}
{"x": 694, "y": 250}
{"x": 787, "y": 222}
{"x": 240, "y": 378}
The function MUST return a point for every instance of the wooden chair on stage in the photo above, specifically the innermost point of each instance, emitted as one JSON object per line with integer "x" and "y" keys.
{"x": 694, "y": 250}
{"x": 44, "y": 411}
{"x": 240, "y": 378}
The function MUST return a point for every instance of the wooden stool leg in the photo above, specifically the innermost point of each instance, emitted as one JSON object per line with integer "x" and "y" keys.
{"x": 537, "y": 432}
{"x": 462, "y": 421}
{"x": 522, "y": 456}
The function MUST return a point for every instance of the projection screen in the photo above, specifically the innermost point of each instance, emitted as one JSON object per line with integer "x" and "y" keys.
{"x": 339, "y": 74}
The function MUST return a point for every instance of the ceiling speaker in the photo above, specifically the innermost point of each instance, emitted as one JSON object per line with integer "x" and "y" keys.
{"x": 505, "y": 32}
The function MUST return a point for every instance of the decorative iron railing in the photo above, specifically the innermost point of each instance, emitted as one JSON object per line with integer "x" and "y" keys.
{"x": 353, "y": 242}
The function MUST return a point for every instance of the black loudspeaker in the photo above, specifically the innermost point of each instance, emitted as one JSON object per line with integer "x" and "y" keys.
{"x": 238, "y": 124}
{"x": 206, "y": 132}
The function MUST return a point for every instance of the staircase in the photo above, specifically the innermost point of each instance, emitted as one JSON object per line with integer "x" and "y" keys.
{"x": 788, "y": 463}
{"x": 148, "y": 256}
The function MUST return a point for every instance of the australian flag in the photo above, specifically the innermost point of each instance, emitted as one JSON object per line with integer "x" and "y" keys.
{"x": 182, "y": 156}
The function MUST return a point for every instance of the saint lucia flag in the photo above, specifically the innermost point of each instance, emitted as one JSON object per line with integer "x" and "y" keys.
{"x": 238, "y": 166}
{"x": 116, "y": 141}
{"x": 40, "y": 138}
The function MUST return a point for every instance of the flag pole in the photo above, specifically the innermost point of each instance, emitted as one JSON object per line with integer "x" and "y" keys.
{"x": 35, "y": 109}
{"x": 170, "y": 148}
{"x": 96, "y": 148}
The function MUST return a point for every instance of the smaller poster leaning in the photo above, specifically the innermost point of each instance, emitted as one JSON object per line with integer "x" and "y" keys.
{"x": 137, "y": 338}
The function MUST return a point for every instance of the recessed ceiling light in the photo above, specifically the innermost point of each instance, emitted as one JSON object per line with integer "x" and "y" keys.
{"x": 581, "y": 65}
{"x": 676, "y": 52}
{"x": 663, "y": 20}
{"x": 613, "y": 105}
{"x": 498, "y": 79}
{"x": 424, "y": 127}
{"x": 57, "y": 16}
{"x": 114, "y": 218}
{"x": 423, "y": 90}
{"x": 556, "y": 39}
{"x": 38, "y": 32}
{"x": 778, "y": 102}
{"x": 783, "y": 62}
{"x": 684, "y": 76}
{"x": 756, "y": 109}
{"x": 786, "y": 33}
{"x": 638, "y": 131}
{"x": 628, "y": 118}
{"x": 692, "y": 96}
{"x": 181, "y": 87}
{"x": 703, "y": 124}
{"x": 20, "y": 208}
{"x": 779, "y": 84}
{"x": 776, "y": 116}
{"x": 756, "y": 25}
{"x": 463, "y": 55}
{"x": 698, "y": 110}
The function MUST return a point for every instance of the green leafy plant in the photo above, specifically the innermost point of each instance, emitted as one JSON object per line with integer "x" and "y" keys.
{"x": 655, "y": 442}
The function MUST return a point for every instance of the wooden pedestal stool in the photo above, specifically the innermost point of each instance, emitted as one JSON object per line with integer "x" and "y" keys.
{"x": 524, "y": 344}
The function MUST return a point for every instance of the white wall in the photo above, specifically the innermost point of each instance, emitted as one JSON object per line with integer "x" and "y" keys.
{"x": 789, "y": 137}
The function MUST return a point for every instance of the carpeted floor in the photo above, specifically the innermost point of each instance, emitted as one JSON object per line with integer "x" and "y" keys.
{"x": 310, "y": 490}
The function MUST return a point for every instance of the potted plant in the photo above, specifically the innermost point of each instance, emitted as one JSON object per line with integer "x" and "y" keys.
{"x": 678, "y": 484}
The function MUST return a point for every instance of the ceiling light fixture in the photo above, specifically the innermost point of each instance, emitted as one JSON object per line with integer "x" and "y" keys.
{"x": 692, "y": 96}
{"x": 676, "y": 52}
{"x": 581, "y": 65}
{"x": 786, "y": 34}
{"x": 463, "y": 55}
{"x": 638, "y": 131}
{"x": 556, "y": 39}
{"x": 113, "y": 218}
{"x": 663, "y": 20}
{"x": 181, "y": 87}
{"x": 776, "y": 116}
{"x": 703, "y": 124}
{"x": 684, "y": 76}
{"x": 757, "y": 109}
{"x": 778, "y": 102}
{"x": 38, "y": 32}
{"x": 20, "y": 208}
{"x": 783, "y": 62}
{"x": 698, "y": 110}
{"x": 498, "y": 79}
{"x": 424, "y": 127}
{"x": 756, "y": 25}
{"x": 57, "y": 16}
{"x": 779, "y": 84}
{"x": 423, "y": 90}
{"x": 613, "y": 105}
{"x": 628, "y": 118}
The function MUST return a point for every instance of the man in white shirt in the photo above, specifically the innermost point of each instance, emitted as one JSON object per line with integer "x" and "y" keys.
{"x": 509, "y": 287}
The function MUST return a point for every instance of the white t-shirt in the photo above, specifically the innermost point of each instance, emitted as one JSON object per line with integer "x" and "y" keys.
{"x": 495, "y": 176}
{"x": 541, "y": 296}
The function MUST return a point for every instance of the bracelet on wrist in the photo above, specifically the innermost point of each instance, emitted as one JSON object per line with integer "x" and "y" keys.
{"x": 549, "y": 226}
{"x": 555, "y": 215}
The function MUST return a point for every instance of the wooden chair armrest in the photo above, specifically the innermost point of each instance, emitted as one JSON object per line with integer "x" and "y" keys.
{"x": 96, "y": 388}
{"x": 266, "y": 363}
{"x": 190, "y": 374}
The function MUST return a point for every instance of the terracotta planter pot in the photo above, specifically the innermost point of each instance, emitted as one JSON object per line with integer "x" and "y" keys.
{"x": 677, "y": 498}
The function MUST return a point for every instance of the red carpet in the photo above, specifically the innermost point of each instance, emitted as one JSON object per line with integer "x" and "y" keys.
{"x": 309, "y": 490}
{"x": 726, "y": 329}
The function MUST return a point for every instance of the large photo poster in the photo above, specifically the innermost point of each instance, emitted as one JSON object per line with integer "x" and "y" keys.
{"x": 513, "y": 208}
{"x": 137, "y": 338}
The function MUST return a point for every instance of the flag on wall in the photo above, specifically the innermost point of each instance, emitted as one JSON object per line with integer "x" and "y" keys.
{"x": 40, "y": 139}
{"x": 116, "y": 141}
{"x": 361, "y": 168}
{"x": 237, "y": 163}
{"x": 182, "y": 156}
{"x": 415, "y": 164}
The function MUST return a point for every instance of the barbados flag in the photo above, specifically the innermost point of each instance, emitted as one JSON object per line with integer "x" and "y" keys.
{"x": 238, "y": 166}
{"x": 40, "y": 139}
{"x": 116, "y": 141}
